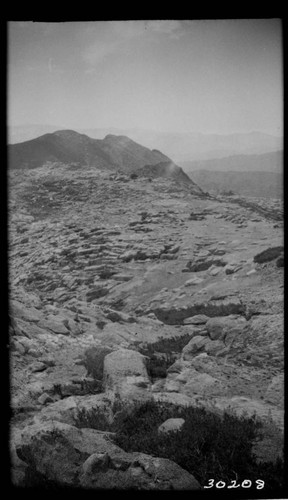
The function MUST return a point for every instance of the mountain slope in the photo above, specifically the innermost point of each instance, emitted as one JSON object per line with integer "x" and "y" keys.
{"x": 67, "y": 146}
{"x": 164, "y": 169}
{"x": 129, "y": 155}
{"x": 64, "y": 146}
{"x": 112, "y": 153}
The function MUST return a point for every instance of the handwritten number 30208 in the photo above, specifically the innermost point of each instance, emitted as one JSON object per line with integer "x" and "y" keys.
{"x": 245, "y": 484}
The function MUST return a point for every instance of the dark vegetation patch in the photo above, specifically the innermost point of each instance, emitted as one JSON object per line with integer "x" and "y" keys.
{"x": 268, "y": 255}
{"x": 167, "y": 345}
{"x": 158, "y": 364}
{"x": 207, "y": 446}
{"x": 162, "y": 354}
{"x": 94, "y": 419}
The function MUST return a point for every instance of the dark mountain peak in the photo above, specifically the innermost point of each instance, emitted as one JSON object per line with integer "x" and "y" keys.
{"x": 113, "y": 152}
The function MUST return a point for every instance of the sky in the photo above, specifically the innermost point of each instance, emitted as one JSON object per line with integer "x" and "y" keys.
{"x": 208, "y": 76}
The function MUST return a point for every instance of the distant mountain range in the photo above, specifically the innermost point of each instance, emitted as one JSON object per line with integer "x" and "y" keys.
{"x": 267, "y": 162}
{"x": 111, "y": 153}
{"x": 246, "y": 175}
{"x": 178, "y": 146}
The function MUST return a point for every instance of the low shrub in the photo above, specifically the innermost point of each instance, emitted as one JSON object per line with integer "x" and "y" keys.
{"x": 158, "y": 361}
{"x": 167, "y": 345}
{"x": 268, "y": 255}
{"x": 157, "y": 365}
{"x": 94, "y": 419}
{"x": 208, "y": 445}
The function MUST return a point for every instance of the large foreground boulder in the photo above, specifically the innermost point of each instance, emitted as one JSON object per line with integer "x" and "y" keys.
{"x": 134, "y": 471}
{"x": 67, "y": 410}
{"x": 56, "y": 450}
{"x": 219, "y": 327}
{"x": 60, "y": 455}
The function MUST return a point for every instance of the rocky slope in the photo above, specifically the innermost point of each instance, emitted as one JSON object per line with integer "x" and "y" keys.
{"x": 103, "y": 268}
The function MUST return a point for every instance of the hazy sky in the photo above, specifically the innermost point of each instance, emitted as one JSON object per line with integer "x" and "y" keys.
{"x": 219, "y": 76}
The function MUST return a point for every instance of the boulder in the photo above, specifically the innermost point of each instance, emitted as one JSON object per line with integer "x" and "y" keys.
{"x": 202, "y": 384}
{"x": 61, "y": 455}
{"x": 171, "y": 425}
{"x": 54, "y": 324}
{"x": 219, "y": 327}
{"x": 212, "y": 347}
{"x": 26, "y": 313}
{"x": 129, "y": 255}
{"x": 93, "y": 360}
{"x": 57, "y": 450}
{"x": 196, "y": 330}
{"x": 275, "y": 391}
{"x": 213, "y": 270}
{"x": 114, "y": 334}
{"x": 203, "y": 363}
{"x": 134, "y": 471}
{"x": 194, "y": 281}
{"x": 68, "y": 409}
{"x": 174, "y": 398}
{"x": 195, "y": 345}
{"x": 15, "y": 345}
{"x": 230, "y": 268}
{"x": 198, "y": 319}
{"x": 125, "y": 376}
{"x": 240, "y": 405}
